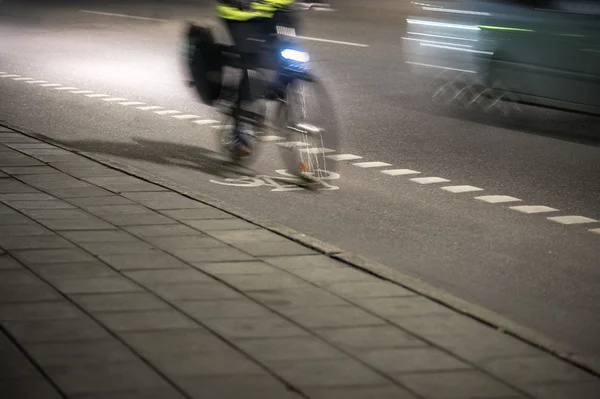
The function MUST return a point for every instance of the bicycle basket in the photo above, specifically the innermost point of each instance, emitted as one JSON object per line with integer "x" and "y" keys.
{"x": 205, "y": 63}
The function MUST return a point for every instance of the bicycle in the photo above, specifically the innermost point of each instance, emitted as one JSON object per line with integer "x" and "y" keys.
{"x": 304, "y": 124}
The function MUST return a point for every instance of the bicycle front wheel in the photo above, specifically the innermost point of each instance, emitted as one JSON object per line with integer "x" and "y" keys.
{"x": 306, "y": 120}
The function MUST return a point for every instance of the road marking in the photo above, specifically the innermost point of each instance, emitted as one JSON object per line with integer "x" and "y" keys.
{"x": 167, "y": 112}
{"x": 9, "y": 76}
{"x": 317, "y": 150}
{"x": 222, "y": 126}
{"x": 571, "y": 219}
{"x": 97, "y": 95}
{"x": 316, "y": 39}
{"x": 343, "y": 157}
{"x": 271, "y": 138}
{"x": 461, "y": 189}
{"x": 439, "y": 67}
{"x": 110, "y": 14}
{"x": 533, "y": 209}
{"x": 597, "y": 231}
{"x": 429, "y": 180}
{"x": 127, "y": 103}
{"x": 187, "y": 116}
{"x": 206, "y": 122}
{"x": 399, "y": 172}
{"x": 114, "y": 99}
{"x": 495, "y": 199}
{"x": 149, "y": 108}
{"x": 375, "y": 164}
{"x": 22, "y": 78}
{"x": 36, "y": 81}
{"x": 81, "y": 92}
{"x": 65, "y": 88}
{"x": 50, "y": 85}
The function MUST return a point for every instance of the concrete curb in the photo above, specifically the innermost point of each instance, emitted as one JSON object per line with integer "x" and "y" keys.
{"x": 588, "y": 363}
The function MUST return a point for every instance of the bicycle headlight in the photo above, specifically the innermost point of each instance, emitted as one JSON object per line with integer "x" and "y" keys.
{"x": 295, "y": 55}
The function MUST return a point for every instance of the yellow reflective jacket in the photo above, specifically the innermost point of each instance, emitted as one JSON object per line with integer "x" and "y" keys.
{"x": 256, "y": 8}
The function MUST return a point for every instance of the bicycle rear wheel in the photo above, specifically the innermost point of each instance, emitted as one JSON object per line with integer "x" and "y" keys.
{"x": 306, "y": 121}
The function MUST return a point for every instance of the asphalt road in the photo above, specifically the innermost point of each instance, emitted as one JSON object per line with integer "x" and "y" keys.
{"x": 539, "y": 273}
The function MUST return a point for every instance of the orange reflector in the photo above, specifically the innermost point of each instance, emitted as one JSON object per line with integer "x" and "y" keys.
{"x": 303, "y": 167}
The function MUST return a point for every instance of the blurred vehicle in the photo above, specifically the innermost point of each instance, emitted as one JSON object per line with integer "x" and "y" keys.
{"x": 489, "y": 53}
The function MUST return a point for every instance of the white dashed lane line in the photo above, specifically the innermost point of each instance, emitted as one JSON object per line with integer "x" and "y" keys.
{"x": 490, "y": 199}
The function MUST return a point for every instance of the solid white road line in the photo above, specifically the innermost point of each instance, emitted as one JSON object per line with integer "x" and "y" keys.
{"x": 375, "y": 164}
{"x": 65, "y": 88}
{"x": 533, "y": 209}
{"x": 271, "y": 138}
{"x": 316, "y": 150}
{"x": 114, "y": 99}
{"x": 343, "y": 157}
{"x": 571, "y": 219}
{"x": 81, "y": 91}
{"x": 399, "y": 172}
{"x": 97, "y": 95}
{"x": 9, "y": 76}
{"x": 31, "y": 82}
{"x": 316, "y": 39}
{"x": 110, "y": 14}
{"x": 22, "y": 79}
{"x": 186, "y": 116}
{"x": 495, "y": 199}
{"x": 167, "y": 112}
{"x": 50, "y": 85}
{"x": 597, "y": 231}
{"x": 149, "y": 108}
{"x": 429, "y": 180}
{"x": 461, "y": 189}
{"x": 127, "y": 103}
{"x": 207, "y": 122}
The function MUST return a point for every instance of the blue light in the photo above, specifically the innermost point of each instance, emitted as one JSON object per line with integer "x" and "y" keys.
{"x": 295, "y": 55}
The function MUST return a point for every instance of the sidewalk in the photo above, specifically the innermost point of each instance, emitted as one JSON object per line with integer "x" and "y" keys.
{"x": 116, "y": 288}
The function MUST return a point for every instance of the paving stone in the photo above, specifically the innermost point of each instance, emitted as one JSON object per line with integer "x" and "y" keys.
{"x": 77, "y": 270}
{"x": 104, "y": 236}
{"x": 325, "y": 277}
{"x": 296, "y": 298}
{"x": 137, "y": 219}
{"x": 168, "y": 276}
{"x": 3, "y": 175}
{"x": 197, "y": 214}
{"x": 114, "y": 377}
{"x": 28, "y": 170}
{"x": 6, "y": 220}
{"x": 162, "y": 230}
{"x": 19, "y": 161}
{"x": 332, "y": 316}
{"x": 68, "y": 157}
{"x": 13, "y": 362}
{"x": 538, "y": 369}
{"x": 60, "y": 330}
{"x": 129, "y": 209}
{"x": 161, "y": 343}
{"x": 256, "y": 327}
{"x": 235, "y": 268}
{"x": 302, "y": 262}
{"x": 185, "y": 242}
{"x": 89, "y": 223}
{"x": 259, "y": 282}
{"x": 164, "y": 196}
{"x": 12, "y": 186}
{"x": 53, "y": 256}
{"x": 277, "y": 248}
{"x": 371, "y": 337}
{"x": 96, "y": 285}
{"x": 53, "y": 186}
{"x": 124, "y": 184}
{"x": 45, "y": 178}
{"x": 368, "y": 289}
{"x": 164, "y": 200}
{"x": 434, "y": 325}
{"x": 26, "y": 292}
{"x": 455, "y": 385}
{"x": 30, "y": 229}
{"x": 119, "y": 248}
{"x": 228, "y": 362}
{"x": 21, "y": 276}
{"x": 32, "y": 196}
{"x": 388, "y": 391}
{"x": 220, "y": 254}
{"x": 83, "y": 353}
{"x": 220, "y": 224}
{"x": 404, "y": 306}
{"x": 251, "y": 235}
{"x": 81, "y": 192}
{"x": 114, "y": 302}
{"x": 5, "y": 210}
{"x": 85, "y": 202}
{"x": 8, "y": 262}
{"x": 483, "y": 346}
{"x": 293, "y": 348}
{"x": 157, "y": 393}
{"x": 579, "y": 390}
{"x": 222, "y": 309}
{"x": 412, "y": 360}
{"x": 196, "y": 291}
{"x": 143, "y": 261}
{"x": 93, "y": 171}
{"x": 45, "y": 214}
{"x": 146, "y": 320}
{"x": 51, "y": 204}
{"x": 32, "y": 146}
{"x": 30, "y": 388}
{"x": 38, "y": 311}
{"x": 34, "y": 242}
{"x": 342, "y": 372}
{"x": 239, "y": 386}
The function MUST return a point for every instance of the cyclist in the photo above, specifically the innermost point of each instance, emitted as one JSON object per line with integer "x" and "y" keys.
{"x": 251, "y": 26}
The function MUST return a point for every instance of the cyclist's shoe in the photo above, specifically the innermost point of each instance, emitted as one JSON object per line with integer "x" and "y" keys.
{"x": 241, "y": 142}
